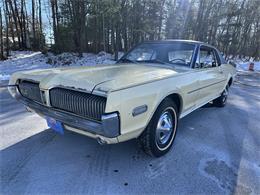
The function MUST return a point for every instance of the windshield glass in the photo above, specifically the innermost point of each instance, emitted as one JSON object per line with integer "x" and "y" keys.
{"x": 162, "y": 53}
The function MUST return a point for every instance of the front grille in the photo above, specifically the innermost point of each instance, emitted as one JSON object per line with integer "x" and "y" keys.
{"x": 30, "y": 90}
{"x": 80, "y": 103}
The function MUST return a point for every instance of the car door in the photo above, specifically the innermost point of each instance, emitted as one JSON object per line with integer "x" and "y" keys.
{"x": 211, "y": 77}
{"x": 188, "y": 81}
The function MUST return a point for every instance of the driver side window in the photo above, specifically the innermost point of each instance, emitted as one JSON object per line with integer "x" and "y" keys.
{"x": 206, "y": 58}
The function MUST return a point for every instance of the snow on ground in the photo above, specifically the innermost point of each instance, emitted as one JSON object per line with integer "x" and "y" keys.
{"x": 28, "y": 60}
{"x": 243, "y": 66}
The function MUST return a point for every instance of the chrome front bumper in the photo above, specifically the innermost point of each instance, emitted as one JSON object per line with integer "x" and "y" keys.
{"x": 109, "y": 126}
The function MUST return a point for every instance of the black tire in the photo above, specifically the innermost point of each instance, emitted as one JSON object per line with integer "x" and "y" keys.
{"x": 150, "y": 140}
{"x": 222, "y": 99}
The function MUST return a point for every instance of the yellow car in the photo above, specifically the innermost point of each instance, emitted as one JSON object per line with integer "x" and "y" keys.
{"x": 142, "y": 96}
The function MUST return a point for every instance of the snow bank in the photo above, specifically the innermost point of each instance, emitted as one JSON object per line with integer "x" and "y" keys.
{"x": 28, "y": 60}
{"x": 243, "y": 66}
{"x": 72, "y": 59}
{"x": 22, "y": 60}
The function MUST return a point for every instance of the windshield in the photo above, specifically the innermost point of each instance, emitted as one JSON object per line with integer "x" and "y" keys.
{"x": 162, "y": 53}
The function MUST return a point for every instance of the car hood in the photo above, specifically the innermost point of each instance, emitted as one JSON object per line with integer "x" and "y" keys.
{"x": 104, "y": 78}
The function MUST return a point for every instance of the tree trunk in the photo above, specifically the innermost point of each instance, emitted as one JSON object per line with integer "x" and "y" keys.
{"x": 1, "y": 37}
{"x": 23, "y": 45}
{"x": 26, "y": 27}
{"x": 23, "y": 25}
{"x": 7, "y": 29}
{"x": 117, "y": 45}
{"x": 15, "y": 21}
{"x": 33, "y": 25}
{"x": 55, "y": 25}
{"x": 40, "y": 26}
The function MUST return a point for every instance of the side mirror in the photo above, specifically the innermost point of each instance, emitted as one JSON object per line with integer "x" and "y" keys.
{"x": 232, "y": 63}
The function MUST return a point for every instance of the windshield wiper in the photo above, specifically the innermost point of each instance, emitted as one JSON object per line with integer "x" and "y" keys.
{"x": 154, "y": 61}
{"x": 126, "y": 60}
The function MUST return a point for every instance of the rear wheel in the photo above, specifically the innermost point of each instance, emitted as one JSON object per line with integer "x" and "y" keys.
{"x": 221, "y": 100}
{"x": 158, "y": 137}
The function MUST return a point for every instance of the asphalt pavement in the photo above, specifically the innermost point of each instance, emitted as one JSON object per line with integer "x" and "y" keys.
{"x": 217, "y": 150}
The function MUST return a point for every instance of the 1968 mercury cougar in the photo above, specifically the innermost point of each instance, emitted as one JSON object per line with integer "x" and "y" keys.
{"x": 142, "y": 96}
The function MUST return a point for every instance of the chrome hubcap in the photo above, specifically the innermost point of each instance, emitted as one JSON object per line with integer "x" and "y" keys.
{"x": 164, "y": 128}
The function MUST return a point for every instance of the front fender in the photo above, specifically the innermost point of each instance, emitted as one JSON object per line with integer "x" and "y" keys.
{"x": 125, "y": 101}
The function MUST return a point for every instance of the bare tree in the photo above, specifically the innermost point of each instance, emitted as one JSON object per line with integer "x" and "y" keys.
{"x": 33, "y": 24}
{"x": 40, "y": 26}
{"x": 1, "y": 36}
{"x": 117, "y": 25}
{"x": 6, "y": 11}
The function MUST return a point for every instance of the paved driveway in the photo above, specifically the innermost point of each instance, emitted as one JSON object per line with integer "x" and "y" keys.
{"x": 217, "y": 150}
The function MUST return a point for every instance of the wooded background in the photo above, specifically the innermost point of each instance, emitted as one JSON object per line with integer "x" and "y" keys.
{"x": 79, "y": 26}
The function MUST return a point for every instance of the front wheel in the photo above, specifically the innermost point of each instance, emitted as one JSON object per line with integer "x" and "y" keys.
{"x": 158, "y": 137}
{"x": 222, "y": 99}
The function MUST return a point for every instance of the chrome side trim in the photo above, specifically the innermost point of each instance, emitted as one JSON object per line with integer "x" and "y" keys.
{"x": 206, "y": 86}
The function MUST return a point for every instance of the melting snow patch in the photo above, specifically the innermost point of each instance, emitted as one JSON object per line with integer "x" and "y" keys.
{"x": 219, "y": 171}
{"x": 243, "y": 66}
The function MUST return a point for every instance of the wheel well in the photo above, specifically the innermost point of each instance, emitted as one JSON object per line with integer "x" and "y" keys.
{"x": 230, "y": 82}
{"x": 177, "y": 100}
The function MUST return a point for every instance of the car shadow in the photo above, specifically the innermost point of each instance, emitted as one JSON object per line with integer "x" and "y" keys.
{"x": 205, "y": 153}
{"x": 71, "y": 153}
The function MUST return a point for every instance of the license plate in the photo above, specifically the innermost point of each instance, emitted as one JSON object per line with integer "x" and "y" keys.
{"x": 55, "y": 125}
